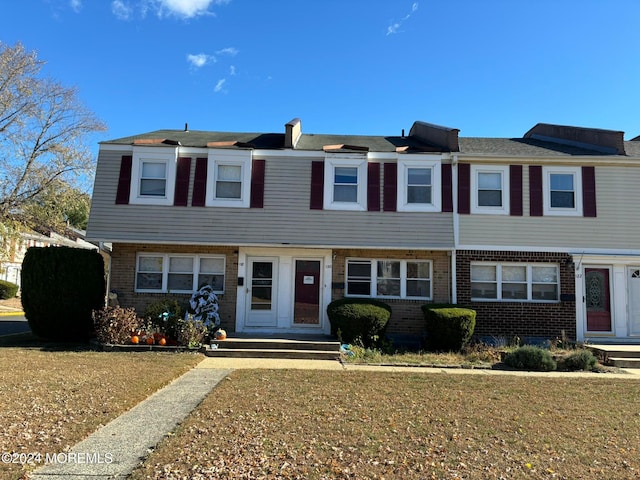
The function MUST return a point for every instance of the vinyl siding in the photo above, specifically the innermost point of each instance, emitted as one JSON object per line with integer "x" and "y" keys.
{"x": 615, "y": 227}
{"x": 286, "y": 218}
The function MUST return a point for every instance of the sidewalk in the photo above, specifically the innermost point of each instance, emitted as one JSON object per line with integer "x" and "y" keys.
{"x": 124, "y": 442}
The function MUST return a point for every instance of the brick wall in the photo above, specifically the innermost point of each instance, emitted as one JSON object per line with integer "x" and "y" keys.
{"x": 522, "y": 319}
{"x": 123, "y": 273}
{"x": 407, "y": 319}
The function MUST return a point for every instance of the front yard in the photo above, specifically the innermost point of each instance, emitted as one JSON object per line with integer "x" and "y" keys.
{"x": 315, "y": 425}
{"x": 53, "y": 399}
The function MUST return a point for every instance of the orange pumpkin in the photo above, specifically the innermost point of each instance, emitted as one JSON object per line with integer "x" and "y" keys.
{"x": 162, "y": 341}
{"x": 135, "y": 340}
{"x": 150, "y": 340}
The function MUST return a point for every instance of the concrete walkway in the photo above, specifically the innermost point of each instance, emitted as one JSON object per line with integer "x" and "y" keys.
{"x": 116, "y": 449}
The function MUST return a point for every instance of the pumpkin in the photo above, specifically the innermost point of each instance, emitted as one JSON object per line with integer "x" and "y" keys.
{"x": 220, "y": 334}
{"x": 162, "y": 341}
{"x": 150, "y": 340}
{"x": 135, "y": 340}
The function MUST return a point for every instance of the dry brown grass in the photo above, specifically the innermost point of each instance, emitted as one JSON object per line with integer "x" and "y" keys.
{"x": 50, "y": 400}
{"x": 317, "y": 425}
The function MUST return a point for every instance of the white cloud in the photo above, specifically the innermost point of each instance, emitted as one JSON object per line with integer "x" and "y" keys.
{"x": 220, "y": 86}
{"x": 187, "y": 8}
{"x": 76, "y": 5}
{"x": 231, "y": 51}
{"x": 121, "y": 10}
{"x": 232, "y": 70}
{"x": 200, "y": 59}
{"x": 395, "y": 26}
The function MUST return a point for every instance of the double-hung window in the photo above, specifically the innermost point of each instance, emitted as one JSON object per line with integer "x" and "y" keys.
{"x": 515, "y": 282}
{"x": 490, "y": 189}
{"x": 178, "y": 273}
{"x": 419, "y": 185}
{"x": 562, "y": 190}
{"x": 345, "y": 182}
{"x": 153, "y": 175}
{"x": 389, "y": 278}
{"x": 229, "y": 182}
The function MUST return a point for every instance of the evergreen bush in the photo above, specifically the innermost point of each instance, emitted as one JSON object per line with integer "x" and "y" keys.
{"x": 61, "y": 286}
{"x": 580, "y": 360}
{"x": 530, "y": 358}
{"x": 359, "y": 319}
{"x": 449, "y": 327}
{"x": 7, "y": 290}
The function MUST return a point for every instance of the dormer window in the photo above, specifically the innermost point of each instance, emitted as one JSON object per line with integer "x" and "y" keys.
{"x": 419, "y": 185}
{"x": 153, "y": 174}
{"x": 562, "y": 187}
{"x": 345, "y": 182}
{"x": 229, "y": 182}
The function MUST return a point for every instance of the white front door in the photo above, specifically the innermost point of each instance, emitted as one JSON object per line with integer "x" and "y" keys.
{"x": 262, "y": 292}
{"x": 633, "y": 282}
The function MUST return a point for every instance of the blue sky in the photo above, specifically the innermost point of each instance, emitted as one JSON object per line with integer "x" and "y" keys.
{"x": 490, "y": 68}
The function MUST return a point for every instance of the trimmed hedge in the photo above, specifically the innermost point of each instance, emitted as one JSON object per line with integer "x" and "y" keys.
{"x": 7, "y": 290}
{"x": 359, "y": 319}
{"x": 449, "y": 327}
{"x": 61, "y": 286}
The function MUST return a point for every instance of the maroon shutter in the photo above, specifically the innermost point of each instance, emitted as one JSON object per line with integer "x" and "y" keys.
{"x": 464, "y": 188}
{"x": 373, "y": 187}
{"x": 124, "y": 180}
{"x": 200, "y": 183}
{"x": 182, "y": 182}
{"x": 515, "y": 190}
{"x": 535, "y": 191}
{"x": 390, "y": 187}
{"x": 317, "y": 185}
{"x": 589, "y": 191}
{"x": 257, "y": 184}
{"x": 447, "y": 188}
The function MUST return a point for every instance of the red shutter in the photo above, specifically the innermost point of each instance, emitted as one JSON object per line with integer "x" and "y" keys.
{"x": 515, "y": 190}
{"x": 373, "y": 187}
{"x": 200, "y": 183}
{"x": 447, "y": 188}
{"x": 589, "y": 191}
{"x": 257, "y": 184}
{"x": 390, "y": 187}
{"x": 464, "y": 188}
{"x": 182, "y": 182}
{"x": 535, "y": 191}
{"x": 124, "y": 180}
{"x": 317, "y": 185}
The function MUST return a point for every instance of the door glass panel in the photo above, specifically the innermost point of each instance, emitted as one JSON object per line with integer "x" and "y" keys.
{"x": 261, "y": 285}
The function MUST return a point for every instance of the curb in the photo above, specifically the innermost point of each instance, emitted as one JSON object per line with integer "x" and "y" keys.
{"x": 17, "y": 313}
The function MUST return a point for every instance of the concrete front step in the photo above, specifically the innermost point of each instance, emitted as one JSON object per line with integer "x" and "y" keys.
{"x": 304, "y": 347}
{"x": 276, "y": 344}
{"x": 272, "y": 353}
{"x": 623, "y": 362}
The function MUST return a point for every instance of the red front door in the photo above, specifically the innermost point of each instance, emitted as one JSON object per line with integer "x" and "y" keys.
{"x": 306, "y": 310}
{"x": 597, "y": 299}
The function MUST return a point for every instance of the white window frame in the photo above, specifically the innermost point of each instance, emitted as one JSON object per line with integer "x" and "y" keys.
{"x": 345, "y": 160}
{"x": 373, "y": 263}
{"x": 577, "y": 187}
{"x": 169, "y": 156}
{"x": 165, "y": 271}
{"x": 404, "y": 165}
{"x": 476, "y": 170}
{"x": 529, "y": 281}
{"x": 241, "y": 158}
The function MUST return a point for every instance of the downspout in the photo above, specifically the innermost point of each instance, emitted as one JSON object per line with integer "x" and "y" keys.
{"x": 456, "y": 228}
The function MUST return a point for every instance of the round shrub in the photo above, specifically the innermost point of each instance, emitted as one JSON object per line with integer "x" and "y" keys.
{"x": 581, "y": 360}
{"x": 115, "y": 324}
{"x": 530, "y": 358}
{"x": 61, "y": 286}
{"x": 449, "y": 328}
{"x": 7, "y": 290}
{"x": 359, "y": 319}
